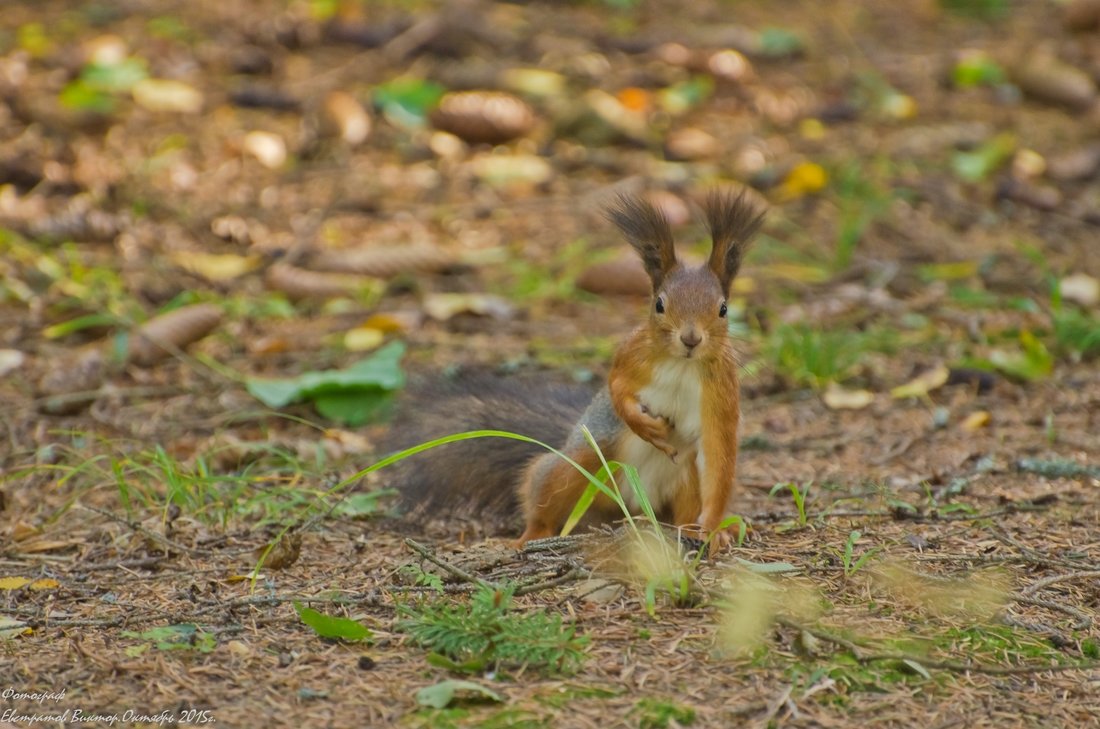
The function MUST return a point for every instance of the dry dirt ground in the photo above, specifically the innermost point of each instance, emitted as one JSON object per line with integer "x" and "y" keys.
{"x": 932, "y": 174}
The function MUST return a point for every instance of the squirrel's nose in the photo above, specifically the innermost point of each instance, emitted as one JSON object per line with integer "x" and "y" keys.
{"x": 690, "y": 338}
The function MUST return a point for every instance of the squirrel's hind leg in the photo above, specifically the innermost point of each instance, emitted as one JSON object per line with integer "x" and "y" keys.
{"x": 550, "y": 489}
{"x": 686, "y": 503}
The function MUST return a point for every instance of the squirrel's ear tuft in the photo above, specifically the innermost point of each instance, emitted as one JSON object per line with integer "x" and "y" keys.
{"x": 648, "y": 231}
{"x": 732, "y": 222}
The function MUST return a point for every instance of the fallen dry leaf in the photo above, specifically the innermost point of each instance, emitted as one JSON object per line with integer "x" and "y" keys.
{"x": 442, "y": 307}
{"x": 344, "y": 117}
{"x": 362, "y": 339}
{"x": 393, "y": 322}
{"x": 805, "y": 179}
{"x": 10, "y": 360}
{"x": 215, "y": 266}
{"x": 840, "y": 398}
{"x": 157, "y": 94}
{"x": 975, "y": 421}
{"x": 922, "y": 384}
{"x": 1080, "y": 288}
{"x": 269, "y": 149}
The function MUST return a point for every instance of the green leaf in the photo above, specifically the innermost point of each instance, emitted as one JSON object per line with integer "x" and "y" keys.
{"x": 184, "y": 636}
{"x": 1032, "y": 362}
{"x": 354, "y": 407}
{"x": 329, "y": 626}
{"x": 779, "y": 42}
{"x": 81, "y": 96}
{"x": 686, "y": 95}
{"x": 115, "y": 77}
{"x": 88, "y": 321}
{"x": 474, "y": 665}
{"x": 442, "y": 694}
{"x": 977, "y": 69}
{"x": 978, "y": 164}
{"x": 408, "y": 101}
{"x": 274, "y": 393}
{"x": 352, "y": 395}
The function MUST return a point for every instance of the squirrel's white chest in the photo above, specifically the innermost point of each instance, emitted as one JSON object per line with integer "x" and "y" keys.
{"x": 675, "y": 393}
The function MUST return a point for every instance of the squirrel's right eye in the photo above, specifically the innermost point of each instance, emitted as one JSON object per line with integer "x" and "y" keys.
{"x": 660, "y": 305}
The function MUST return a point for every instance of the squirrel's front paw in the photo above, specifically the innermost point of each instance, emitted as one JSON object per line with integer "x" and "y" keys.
{"x": 655, "y": 429}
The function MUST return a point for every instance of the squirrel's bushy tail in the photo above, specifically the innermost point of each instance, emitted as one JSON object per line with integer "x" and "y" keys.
{"x": 476, "y": 478}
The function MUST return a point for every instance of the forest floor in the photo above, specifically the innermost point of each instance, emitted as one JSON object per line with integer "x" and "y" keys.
{"x": 287, "y": 183}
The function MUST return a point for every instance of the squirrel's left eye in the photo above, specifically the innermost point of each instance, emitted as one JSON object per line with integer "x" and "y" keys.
{"x": 722, "y": 310}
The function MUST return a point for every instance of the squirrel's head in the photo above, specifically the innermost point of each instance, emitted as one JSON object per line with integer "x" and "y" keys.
{"x": 688, "y": 308}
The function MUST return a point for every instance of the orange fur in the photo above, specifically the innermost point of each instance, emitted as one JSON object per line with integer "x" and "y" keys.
{"x": 548, "y": 502}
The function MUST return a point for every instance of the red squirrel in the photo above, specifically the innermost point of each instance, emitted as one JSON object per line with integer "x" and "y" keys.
{"x": 670, "y": 407}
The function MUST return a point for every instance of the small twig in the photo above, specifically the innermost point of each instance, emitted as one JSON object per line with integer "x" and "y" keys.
{"x": 75, "y": 622}
{"x": 858, "y": 652}
{"x": 571, "y": 576}
{"x": 1084, "y": 620}
{"x": 272, "y": 600}
{"x": 776, "y": 704}
{"x": 456, "y": 571}
{"x": 134, "y": 526}
{"x": 996, "y": 559}
{"x": 571, "y": 543}
{"x": 163, "y": 540}
{"x": 894, "y": 452}
{"x": 1056, "y": 637}
{"x": 84, "y": 396}
{"x": 1066, "y": 577}
{"x": 121, "y": 564}
{"x": 1033, "y": 556}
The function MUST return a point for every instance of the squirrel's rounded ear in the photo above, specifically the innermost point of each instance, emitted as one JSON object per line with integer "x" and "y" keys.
{"x": 732, "y": 222}
{"x": 648, "y": 232}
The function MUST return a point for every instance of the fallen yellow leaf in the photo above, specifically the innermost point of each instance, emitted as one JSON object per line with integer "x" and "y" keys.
{"x": 13, "y": 583}
{"x": 975, "y": 421}
{"x": 634, "y": 98}
{"x": 899, "y": 106}
{"x": 922, "y": 384}
{"x": 443, "y": 307}
{"x": 805, "y": 179}
{"x": 362, "y": 339}
{"x": 44, "y": 545}
{"x": 387, "y": 323}
{"x": 158, "y": 94}
{"x": 811, "y": 128}
{"x": 953, "y": 271}
{"x": 840, "y": 398}
{"x": 215, "y": 266}
{"x": 45, "y": 584}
